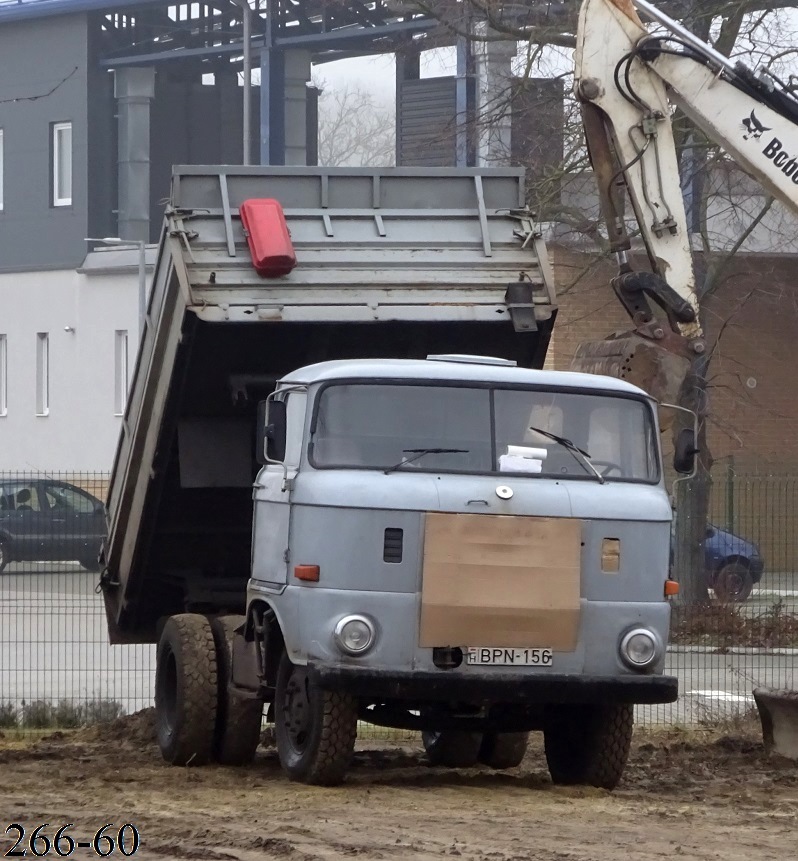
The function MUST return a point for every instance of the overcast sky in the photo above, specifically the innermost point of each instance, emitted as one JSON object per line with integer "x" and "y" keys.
{"x": 377, "y": 74}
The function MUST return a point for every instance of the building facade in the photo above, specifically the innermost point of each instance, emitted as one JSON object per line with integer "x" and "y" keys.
{"x": 68, "y": 341}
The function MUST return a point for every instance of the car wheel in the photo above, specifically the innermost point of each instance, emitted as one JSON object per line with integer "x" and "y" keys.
{"x": 186, "y": 690}
{"x": 588, "y": 744}
{"x": 315, "y": 729}
{"x": 238, "y": 717}
{"x": 733, "y": 583}
{"x": 452, "y": 748}
{"x": 4, "y": 560}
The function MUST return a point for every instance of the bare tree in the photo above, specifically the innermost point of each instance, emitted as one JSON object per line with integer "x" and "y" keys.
{"x": 355, "y": 131}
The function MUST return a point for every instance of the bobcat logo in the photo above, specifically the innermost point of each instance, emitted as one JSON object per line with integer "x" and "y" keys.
{"x": 753, "y": 127}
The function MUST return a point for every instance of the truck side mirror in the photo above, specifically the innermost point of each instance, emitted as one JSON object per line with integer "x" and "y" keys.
{"x": 271, "y": 431}
{"x": 685, "y": 451}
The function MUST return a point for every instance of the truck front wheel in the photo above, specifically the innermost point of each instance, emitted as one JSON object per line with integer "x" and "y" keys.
{"x": 588, "y": 744}
{"x": 238, "y": 717}
{"x": 453, "y": 748}
{"x": 186, "y": 690}
{"x": 315, "y": 729}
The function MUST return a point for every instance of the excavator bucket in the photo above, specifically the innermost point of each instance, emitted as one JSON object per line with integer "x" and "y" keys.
{"x": 659, "y": 367}
{"x": 778, "y": 711}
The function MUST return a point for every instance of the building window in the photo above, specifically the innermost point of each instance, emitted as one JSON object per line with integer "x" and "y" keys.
{"x": 2, "y": 169}
{"x": 42, "y": 374}
{"x": 120, "y": 371}
{"x": 62, "y": 164}
{"x": 3, "y": 375}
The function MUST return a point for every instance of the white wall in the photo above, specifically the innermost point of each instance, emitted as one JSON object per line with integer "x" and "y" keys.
{"x": 81, "y": 430}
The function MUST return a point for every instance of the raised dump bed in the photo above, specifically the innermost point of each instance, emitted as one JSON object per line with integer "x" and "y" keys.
{"x": 391, "y": 263}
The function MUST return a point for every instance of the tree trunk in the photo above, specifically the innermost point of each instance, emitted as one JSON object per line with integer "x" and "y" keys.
{"x": 692, "y": 495}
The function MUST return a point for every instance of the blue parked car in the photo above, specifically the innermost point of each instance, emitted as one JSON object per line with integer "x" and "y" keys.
{"x": 733, "y": 564}
{"x": 43, "y": 520}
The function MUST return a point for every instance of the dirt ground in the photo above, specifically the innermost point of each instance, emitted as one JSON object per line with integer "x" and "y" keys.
{"x": 699, "y": 794}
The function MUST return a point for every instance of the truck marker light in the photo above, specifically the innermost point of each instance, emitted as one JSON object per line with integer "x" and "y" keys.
{"x": 307, "y": 572}
{"x": 671, "y": 588}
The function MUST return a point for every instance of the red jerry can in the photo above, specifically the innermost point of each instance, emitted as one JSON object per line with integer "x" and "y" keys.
{"x": 268, "y": 237}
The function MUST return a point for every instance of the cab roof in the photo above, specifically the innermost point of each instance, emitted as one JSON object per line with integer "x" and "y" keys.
{"x": 480, "y": 369}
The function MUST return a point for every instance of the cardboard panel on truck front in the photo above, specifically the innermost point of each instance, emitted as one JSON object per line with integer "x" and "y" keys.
{"x": 494, "y": 580}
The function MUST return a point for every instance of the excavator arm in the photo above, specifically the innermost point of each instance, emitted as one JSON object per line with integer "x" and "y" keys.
{"x": 626, "y": 80}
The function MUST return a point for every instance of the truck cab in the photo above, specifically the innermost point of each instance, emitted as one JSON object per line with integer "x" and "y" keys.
{"x": 464, "y": 547}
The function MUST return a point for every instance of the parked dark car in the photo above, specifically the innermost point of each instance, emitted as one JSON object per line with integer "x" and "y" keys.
{"x": 42, "y": 520}
{"x": 733, "y": 564}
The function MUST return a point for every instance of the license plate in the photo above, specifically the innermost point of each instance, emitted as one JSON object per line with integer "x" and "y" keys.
{"x": 509, "y": 657}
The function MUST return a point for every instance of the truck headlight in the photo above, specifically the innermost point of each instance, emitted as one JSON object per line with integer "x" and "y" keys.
{"x": 354, "y": 635}
{"x": 639, "y": 648}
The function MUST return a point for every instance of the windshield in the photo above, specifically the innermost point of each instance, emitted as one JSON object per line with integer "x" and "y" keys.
{"x": 447, "y": 428}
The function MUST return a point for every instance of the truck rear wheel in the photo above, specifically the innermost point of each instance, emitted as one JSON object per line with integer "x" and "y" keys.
{"x": 503, "y": 749}
{"x": 452, "y": 747}
{"x": 315, "y": 729}
{"x": 588, "y": 744}
{"x": 186, "y": 690}
{"x": 238, "y": 717}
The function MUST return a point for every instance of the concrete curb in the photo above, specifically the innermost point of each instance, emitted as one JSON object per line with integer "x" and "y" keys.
{"x": 774, "y": 593}
{"x": 729, "y": 650}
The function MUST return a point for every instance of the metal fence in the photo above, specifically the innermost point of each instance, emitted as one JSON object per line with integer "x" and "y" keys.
{"x": 57, "y": 669}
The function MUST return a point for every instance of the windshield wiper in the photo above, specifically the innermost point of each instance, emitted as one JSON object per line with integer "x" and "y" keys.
{"x": 420, "y": 452}
{"x": 581, "y": 456}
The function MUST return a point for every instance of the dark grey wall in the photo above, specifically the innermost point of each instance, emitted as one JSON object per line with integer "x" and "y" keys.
{"x": 102, "y": 144}
{"x": 425, "y": 123}
{"x": 194, "y": 124}
{"x": 537, "y": 141}
{"x": 35, "y": 57}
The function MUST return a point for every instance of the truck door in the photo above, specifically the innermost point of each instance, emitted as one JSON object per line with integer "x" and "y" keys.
{"x": 272, "y": 510}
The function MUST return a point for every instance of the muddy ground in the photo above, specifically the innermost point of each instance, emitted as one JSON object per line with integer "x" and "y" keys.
{"x": 698, "y": 794}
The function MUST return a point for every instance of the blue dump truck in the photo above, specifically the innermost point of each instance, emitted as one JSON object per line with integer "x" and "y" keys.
{"x": 346, "y": 490}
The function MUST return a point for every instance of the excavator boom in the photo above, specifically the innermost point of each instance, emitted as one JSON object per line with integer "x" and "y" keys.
{"x": 627, "y": 79}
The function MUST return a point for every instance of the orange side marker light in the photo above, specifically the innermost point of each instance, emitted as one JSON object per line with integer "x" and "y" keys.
{"x": 307, "y": 572}
{"x": 671, "y": 588}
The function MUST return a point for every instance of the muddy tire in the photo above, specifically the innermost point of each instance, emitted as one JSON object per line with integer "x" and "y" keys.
{"x": 452, "y": 748}
{"x": 588, "y": 744}
{"x": 503, "y": 749}
{"x": 238, "y": 718}
{"x": 186, "y": 690}
{"x": 733, "y": 583}
{"x": 4, "y": 556}
{"x": 315, "y": 729}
